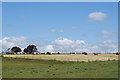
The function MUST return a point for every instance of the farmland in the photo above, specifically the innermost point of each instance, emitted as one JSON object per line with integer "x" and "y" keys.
{"x": 50, "y": 66}
{"x": 69, "y": 57}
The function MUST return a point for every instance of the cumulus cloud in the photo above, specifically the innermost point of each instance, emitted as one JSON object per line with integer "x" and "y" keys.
{"x": 97, "y": 16}
{"x": 62, "y": 45}
{"x": 8, "y": 42}
{"x": 48, "y": 48}
{"x": 107, "y": 34}
{"x": 63, "y": 41}
{"x": 66, "y": 45}
{"x": 105, "y": 47}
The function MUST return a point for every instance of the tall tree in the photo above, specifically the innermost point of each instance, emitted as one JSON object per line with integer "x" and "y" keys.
{"x": 30, "y": 49}
{"x": 25, "y": 50}
{"x": 15, "y": 49}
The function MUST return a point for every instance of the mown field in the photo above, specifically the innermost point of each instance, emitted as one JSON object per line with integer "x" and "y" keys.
{"x": 69, "y": 57}
{"x": 36, "y": 68}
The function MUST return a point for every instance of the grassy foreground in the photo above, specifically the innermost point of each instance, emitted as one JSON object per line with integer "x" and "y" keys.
{"x": 32, "y": 68}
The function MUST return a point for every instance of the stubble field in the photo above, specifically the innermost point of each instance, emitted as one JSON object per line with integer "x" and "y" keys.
{"x": 60, "y": 66}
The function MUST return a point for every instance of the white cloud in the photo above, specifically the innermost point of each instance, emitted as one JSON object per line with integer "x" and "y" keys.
{"x": 66, "y": 45}
{"x": 107, "y": 34}
{"x": 63, "y": 41}
{"x": 105, "y": 47}
{"x": 79, "y": 42}
{"x": 97, "y": 16}
{"x": 48, "y": 48}
{"x": 8, "y": 42}
{"x": 62, "y": 45}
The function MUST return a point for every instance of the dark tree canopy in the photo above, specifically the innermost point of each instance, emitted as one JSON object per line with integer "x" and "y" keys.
{"x": 25, "y": 50}
{"x": 30, "y": 49}
{"x": 15, "y": 49}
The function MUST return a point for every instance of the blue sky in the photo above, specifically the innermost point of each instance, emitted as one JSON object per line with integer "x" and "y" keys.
{"x": 48, "y": 21}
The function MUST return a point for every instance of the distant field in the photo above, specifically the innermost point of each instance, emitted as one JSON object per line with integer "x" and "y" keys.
{"x": 69, "y": 57}
{"x": 33, "y": 68}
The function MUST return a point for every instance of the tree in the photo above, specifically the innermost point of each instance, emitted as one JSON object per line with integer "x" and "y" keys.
{"x": 30, "y": 49}
{"x": 25, "y": 50}
{"x": 15, "y": 49}
{"x": 8, "y": 51}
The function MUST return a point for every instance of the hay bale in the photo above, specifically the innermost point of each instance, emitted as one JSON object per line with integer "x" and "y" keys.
{"x": 24, "y": 53}
{"x": 95, "y": 53}
{"x": 73, "y": 53}
{"x": 37, "y": 53}
{"x": 21, "y": 53}
{"x": 43, "y": 53}
{"x": 14, "y": 53}
{"x": 85, "y": 53}
{"x": 59, "y": 52}
{"x": 34, "y": 53}
{"x": 117, "y": 53}
{"x": 49, "y": 53}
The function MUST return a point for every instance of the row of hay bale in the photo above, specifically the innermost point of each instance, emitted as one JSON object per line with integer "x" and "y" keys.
{"x": 85, "y": 53}
{"x": 50, "y": 53}
{"x": 36, "y": 53}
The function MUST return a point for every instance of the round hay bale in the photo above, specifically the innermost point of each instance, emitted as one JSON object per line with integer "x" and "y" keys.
{"x": 49, "y": 53}
{"x": 21, "y": 53}
{"x": 59, "y": 52}
{"x": 73, "y": 53}
{"x": 95, "y": 53}
{"x": 24, "y": 53}
{"x": 37, "y": 53}
{"x": 85, "y": 53}
{"x": 43, "y": 53}
{"x": 14, "y": 53}
{"x": 34, "y": 53}
{"x": 117, "y": 53}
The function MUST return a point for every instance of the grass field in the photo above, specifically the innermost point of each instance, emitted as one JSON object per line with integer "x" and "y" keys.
{"x": 36, "y": 68}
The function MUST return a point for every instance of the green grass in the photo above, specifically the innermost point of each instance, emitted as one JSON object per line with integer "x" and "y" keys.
{"x": 29, "y": 68}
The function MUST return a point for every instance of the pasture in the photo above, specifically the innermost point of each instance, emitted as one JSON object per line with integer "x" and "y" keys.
{"x": 39, "y": 68}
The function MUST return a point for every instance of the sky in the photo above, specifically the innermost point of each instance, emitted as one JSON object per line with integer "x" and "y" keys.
{"x": 61, "y": 26}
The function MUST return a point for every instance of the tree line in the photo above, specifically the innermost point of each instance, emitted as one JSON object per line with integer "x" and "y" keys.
{"x": 29, "y": 49}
